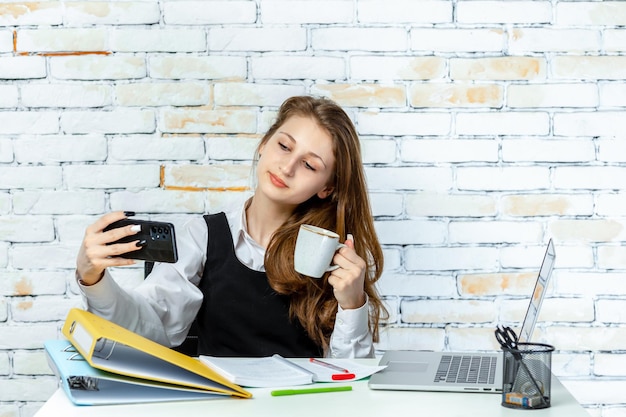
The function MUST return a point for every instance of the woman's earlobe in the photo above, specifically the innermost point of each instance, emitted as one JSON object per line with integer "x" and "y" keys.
{"x": 325, "y": 192}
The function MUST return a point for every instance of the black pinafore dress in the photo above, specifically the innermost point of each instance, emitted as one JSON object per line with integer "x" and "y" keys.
{"x": 241, "y": 315}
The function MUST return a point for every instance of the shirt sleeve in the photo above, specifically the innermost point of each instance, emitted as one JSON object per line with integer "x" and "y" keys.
{"x": 165, "y": 304}
{"x": 351, "y": 337}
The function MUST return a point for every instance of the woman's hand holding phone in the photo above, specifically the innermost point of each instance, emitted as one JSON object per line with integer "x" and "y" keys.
{"x": 115, "y": 240}
{"x": 96, "y": 254}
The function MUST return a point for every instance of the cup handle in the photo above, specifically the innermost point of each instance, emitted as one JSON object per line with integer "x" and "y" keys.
{"x": 333, "y": 267}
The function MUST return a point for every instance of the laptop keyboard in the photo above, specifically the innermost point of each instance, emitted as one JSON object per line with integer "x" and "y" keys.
{"x": 466, "y": 369}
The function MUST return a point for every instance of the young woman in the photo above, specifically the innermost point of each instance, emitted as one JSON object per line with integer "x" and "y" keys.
{"x": 235, "y": 273}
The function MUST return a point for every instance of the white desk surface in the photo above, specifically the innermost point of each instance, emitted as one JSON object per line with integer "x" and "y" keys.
{"x": 361, "y": 402}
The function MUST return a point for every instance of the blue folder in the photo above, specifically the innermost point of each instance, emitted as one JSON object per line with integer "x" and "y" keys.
{"x": 85, "y": 385}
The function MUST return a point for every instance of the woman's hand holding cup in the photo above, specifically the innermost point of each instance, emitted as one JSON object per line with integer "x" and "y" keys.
{"x": 316, "y": 248}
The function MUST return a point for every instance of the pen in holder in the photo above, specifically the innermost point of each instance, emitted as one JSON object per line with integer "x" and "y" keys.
{"x": 527, "y": 376}
{"x": 526, "y": 372}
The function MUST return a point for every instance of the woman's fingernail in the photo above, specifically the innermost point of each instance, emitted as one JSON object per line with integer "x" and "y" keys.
{"x": 141, "y": 243}
{"x": 135, "y": 228}
{"x": 350, "y": 237}
{"x": 129, "y": 213}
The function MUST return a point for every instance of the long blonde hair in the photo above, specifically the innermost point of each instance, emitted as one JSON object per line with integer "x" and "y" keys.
{"x": 346, "y": 210}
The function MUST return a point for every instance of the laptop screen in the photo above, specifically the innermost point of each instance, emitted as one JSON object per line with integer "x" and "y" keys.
{"x": 538, "y": 294}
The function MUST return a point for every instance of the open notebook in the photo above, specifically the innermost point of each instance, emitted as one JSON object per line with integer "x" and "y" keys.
{"x": 459, "y": 371}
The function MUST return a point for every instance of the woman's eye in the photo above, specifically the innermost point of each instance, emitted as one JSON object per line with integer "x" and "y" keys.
{"x": 309, "y": 166}
{"x": 283, "y": 146}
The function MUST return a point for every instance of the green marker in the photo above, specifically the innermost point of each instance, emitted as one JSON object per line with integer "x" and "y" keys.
{"x": 282, "y": 392}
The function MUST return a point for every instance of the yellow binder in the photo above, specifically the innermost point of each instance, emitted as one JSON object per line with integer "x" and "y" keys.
{"x": 112, "y": 348}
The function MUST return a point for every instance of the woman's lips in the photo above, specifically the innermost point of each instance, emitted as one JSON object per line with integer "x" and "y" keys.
{"x": 277, "y": 181}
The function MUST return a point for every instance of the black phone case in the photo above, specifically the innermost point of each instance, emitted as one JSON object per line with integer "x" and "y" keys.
{"x": 159, "y": 236}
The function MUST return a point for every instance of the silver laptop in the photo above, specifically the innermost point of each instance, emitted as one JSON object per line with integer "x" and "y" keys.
{"x": 459, "y": 371}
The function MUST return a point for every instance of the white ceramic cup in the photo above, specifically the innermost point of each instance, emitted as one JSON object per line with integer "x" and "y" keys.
{"x": 315, "y": 248}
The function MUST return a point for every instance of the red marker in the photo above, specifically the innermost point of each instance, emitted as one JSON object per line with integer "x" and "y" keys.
{"x": 342, "y": 377}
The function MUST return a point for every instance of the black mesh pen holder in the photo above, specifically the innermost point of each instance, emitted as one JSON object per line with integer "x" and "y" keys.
{"x": 527, "y": 376}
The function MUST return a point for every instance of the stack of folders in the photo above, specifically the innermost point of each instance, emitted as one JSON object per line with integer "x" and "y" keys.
{"x": 103, "y": 363}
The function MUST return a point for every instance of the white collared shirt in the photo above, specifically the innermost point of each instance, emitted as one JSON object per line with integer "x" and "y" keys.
{"x": 162, "y": 307}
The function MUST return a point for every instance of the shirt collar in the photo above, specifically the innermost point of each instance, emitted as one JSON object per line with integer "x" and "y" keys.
{"x": 242, "y": 233}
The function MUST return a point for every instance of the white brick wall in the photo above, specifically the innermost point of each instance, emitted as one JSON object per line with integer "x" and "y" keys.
{"x": 488, "y": 127}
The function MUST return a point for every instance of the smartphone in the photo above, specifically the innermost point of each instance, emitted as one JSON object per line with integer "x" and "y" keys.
{"x": 159, "y": 236}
